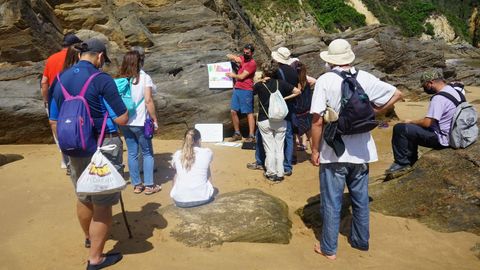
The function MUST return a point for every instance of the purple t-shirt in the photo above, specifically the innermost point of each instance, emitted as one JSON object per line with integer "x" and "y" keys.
{"x": 442, "y": 110}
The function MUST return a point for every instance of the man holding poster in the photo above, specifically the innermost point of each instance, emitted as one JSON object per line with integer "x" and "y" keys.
{"x": 242, "y": 98}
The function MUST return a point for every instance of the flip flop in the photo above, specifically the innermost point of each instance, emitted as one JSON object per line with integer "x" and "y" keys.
{"x": 138, "y": 189}
{"x": 317, "y": 249}
{"x": 110, "y": 259}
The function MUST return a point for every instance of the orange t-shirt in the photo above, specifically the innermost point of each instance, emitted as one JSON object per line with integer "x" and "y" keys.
{"x": 54, "y": 65}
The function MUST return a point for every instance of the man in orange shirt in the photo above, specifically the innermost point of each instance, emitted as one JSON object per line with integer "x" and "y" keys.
{"x": 53, "y": 66}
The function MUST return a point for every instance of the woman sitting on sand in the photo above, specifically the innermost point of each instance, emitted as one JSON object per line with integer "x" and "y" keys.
{"x": 191, "y": 185}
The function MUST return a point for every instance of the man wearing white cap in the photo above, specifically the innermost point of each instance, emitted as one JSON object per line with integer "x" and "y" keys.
{"x": 350, "y": 167}
{"x": 287, "y": 73}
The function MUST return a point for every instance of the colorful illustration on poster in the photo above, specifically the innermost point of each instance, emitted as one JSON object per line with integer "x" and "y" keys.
{"x": 216, "y": 75}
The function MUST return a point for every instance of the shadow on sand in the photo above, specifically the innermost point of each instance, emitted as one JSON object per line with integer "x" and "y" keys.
{"x": 310, "y": 215}
{"x": 142, "y": 225}
{"x": 162, "y": 172}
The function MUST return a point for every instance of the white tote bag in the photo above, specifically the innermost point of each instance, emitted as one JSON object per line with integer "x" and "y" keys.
{"x": 100, "y": 176}
{"x": 277, "y": 108}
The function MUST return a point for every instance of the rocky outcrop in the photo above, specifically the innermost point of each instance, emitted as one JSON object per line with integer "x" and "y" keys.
{"x": 442, "y": 191}
{"x": 244, "y": 216}
{"x": 181, "y": 37}
{"x": 360, "y": 7}
{"x": 442, "y": 28}
{"x": 29, "y": 30}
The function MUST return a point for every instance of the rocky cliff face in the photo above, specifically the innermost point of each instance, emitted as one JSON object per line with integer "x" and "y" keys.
{"x": 181, "y": 37}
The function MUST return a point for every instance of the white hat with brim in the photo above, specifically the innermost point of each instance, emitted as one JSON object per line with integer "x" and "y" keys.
{"x": 339, "y": 53}
{"x": 282, "y": 55}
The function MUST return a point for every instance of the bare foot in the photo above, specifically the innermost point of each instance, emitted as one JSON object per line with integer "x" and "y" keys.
{"x": 317, "y": 249}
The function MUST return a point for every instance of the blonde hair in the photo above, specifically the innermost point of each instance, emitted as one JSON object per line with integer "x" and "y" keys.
{"x": 191, "y": 139}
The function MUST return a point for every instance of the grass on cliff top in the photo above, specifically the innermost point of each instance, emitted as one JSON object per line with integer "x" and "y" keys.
{"x": 330, "y": 15}
{"x": 410, "y": 15}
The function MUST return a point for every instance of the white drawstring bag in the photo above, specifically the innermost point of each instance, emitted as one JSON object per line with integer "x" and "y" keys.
{"x": 277, "y": 108}
{"x": 100, "y": 176}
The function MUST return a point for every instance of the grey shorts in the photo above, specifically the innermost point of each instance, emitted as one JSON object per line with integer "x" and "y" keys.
{"x": 78, "y": 165}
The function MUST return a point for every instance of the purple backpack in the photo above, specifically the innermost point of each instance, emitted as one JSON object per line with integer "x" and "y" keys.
{"x": 75, "y": 133}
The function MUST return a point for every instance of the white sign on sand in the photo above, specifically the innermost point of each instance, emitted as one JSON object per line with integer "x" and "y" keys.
{"x": 217, "y": 77}
{"x": 210, "y": 132}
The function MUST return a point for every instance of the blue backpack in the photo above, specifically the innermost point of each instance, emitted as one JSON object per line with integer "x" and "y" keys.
{"x": 75, "y": 124}
{"x": 124, "y": 86}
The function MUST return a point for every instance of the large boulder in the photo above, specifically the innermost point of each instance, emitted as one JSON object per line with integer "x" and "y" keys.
{"x": 442, "y": 190}
{"x": 245, "y": 216}
{"x": 29, "y": 30}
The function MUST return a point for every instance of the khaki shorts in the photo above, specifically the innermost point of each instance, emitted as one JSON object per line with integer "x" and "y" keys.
{"x": 78, "y": 165}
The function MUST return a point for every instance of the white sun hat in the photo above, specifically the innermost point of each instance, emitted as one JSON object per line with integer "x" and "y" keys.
{"x": 282, "y": 55}
{"x": 339, "y": 53}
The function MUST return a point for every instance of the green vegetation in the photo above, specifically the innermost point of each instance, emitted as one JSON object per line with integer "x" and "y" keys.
{"x": 277, "y": 14}
{"x": 410, "y": 15}
{"x": 330, "y": 15}
{"x": 429, "y": 29}
{"x": 335, "y": 14}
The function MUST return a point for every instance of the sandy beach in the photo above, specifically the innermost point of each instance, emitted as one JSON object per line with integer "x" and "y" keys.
{"x": 39, "y": 229}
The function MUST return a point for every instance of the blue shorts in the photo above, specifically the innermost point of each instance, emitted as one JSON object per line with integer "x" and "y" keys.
{"x": 242, "y": 101}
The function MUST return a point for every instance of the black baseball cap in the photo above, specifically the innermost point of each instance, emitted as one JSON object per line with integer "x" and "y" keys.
{"x": 250, "y": 47}
{"x": 95, "y": 45}
{"x": 70, "y": 39}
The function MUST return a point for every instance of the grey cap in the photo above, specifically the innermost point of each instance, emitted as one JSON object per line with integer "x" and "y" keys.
{"x": 430, "y": 75}
{"x": 95, "y": 45}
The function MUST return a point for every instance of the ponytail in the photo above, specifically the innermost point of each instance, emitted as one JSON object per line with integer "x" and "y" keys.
{"x": 191, "y": 139}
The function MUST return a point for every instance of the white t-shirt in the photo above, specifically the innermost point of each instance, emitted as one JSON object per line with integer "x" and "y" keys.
{"x": 359, "y": 148}
{"x": 138, "y": 92}
{"x": 193, "y": 185}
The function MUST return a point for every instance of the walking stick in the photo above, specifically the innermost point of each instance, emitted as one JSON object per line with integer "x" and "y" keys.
{"x": 125, "y": 217}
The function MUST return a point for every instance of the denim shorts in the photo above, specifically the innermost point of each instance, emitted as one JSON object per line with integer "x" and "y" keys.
{"x": 242, "y": 101}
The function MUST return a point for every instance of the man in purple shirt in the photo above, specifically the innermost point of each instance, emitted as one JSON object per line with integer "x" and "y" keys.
{"x": 431, "y": 131}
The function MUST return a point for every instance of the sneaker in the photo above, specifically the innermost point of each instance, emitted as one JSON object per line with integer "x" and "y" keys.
{"x": 272, "y": 177}
{"x": 395, "y": 167}
{"x": 279, "y": 178}
{"x": 250, "y": 139}
{"x": 254, "y": 166}
{"x": 289, "y": 173}
{"x": 236, "y": 137}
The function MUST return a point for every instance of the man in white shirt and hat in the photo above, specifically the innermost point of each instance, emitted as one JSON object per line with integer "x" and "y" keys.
{"x": 352, "y": 166}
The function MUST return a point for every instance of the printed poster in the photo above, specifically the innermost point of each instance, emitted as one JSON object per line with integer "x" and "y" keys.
{"x": 217, "y": 77}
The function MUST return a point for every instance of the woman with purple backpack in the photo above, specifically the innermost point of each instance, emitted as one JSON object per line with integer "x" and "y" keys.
{"x": 139, "y": 87}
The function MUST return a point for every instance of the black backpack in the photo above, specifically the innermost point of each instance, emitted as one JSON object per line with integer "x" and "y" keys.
{"x": 356, "y": 112}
